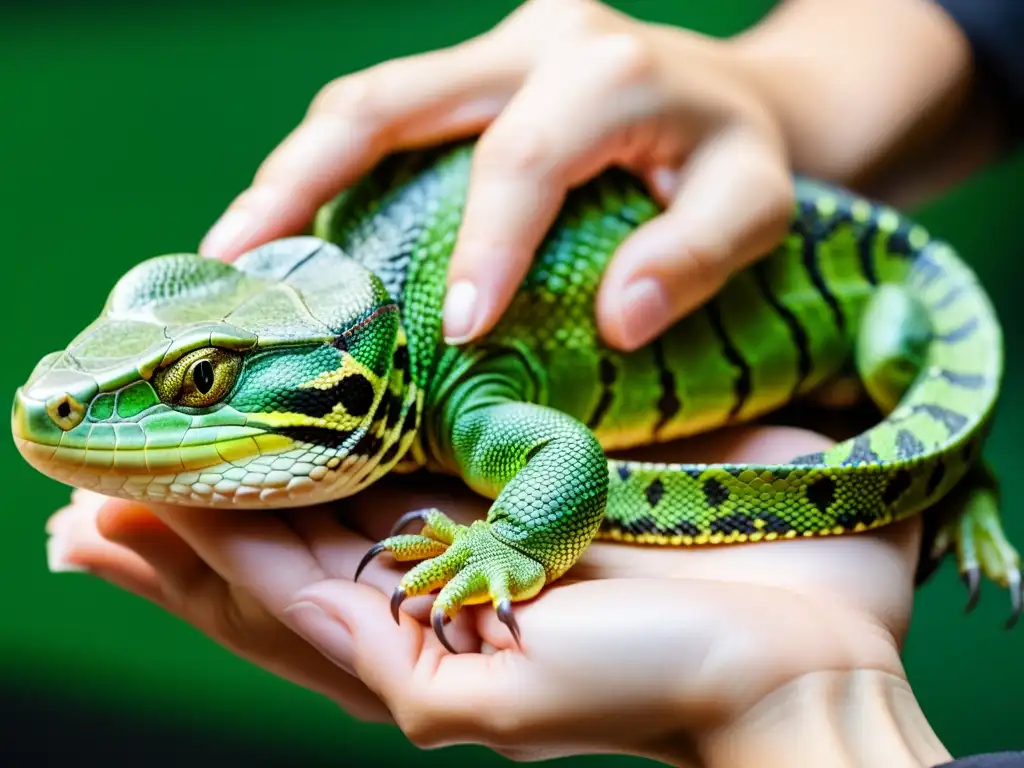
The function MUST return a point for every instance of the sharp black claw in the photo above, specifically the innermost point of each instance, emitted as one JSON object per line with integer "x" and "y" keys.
{"x": 397, "y": 598}
{"x": 1016, "y": 598}
{"x": 506, "y": 617}
{"x": 408, "y": 518}
{"x": 375, "y": 550}
{"x": 438, "y": 621}
{"x": 972, "y": 580}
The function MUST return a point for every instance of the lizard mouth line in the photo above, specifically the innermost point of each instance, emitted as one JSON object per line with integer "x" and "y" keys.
{"x": 143, "y": 460}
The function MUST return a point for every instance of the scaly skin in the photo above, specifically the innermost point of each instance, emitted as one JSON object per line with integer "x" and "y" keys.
{"x": 314, "y": 366}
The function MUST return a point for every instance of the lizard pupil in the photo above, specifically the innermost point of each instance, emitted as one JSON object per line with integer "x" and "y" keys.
{"x": 202, "y": 376}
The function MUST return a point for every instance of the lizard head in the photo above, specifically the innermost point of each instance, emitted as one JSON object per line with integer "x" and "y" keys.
{"x": 279, "y": 380}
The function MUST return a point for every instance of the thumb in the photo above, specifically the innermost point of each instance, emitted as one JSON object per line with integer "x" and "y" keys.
{"x": 733, "y": 203}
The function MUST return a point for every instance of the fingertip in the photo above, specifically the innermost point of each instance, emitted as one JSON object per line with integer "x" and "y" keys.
{"x": 482, "y": 284}
{"x": 635, "y": 314}
{"x": 257, "y": 216}
{"x": 461, "y": 312}
{"x": 228, "y": 232}
{"x": 365, "y": 634}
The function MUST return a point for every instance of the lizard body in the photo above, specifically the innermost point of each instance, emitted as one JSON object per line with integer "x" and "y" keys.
{"x": 314, "y": 366}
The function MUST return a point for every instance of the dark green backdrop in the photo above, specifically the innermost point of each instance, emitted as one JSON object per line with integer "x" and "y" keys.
{"x": 123, "y": 132}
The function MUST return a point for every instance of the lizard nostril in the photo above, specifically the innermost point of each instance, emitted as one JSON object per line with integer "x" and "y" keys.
{"x": 65, "y": 411}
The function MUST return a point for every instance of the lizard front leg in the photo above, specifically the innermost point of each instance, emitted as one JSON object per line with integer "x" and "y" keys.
{"x": 548, "y": 477}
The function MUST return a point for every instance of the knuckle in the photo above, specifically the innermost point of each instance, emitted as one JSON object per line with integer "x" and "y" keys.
{"x": 708, "y": 264}
{"x": 568, "y": 14}
{"x": 624, "y": 57}
{"x": 353, "y": 96}
{"x": 513, "y": 151}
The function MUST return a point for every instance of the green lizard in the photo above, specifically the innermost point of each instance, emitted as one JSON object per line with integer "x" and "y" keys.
{"x": 314, "y": 366}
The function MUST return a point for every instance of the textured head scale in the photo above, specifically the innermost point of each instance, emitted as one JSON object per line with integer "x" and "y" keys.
{"x": 279, "y": 379}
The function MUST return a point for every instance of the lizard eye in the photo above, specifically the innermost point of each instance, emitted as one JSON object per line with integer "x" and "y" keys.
{"x": 199, "y": 379}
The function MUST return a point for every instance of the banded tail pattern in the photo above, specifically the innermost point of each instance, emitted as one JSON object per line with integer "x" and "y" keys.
{"x": 907, "y": 462}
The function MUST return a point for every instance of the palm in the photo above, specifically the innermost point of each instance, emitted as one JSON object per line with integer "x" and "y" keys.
{"x": 646, "y": 623}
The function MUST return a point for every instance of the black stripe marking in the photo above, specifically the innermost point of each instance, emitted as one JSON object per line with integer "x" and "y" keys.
{"x": 655, "y": 492}
{"x": 951, "y": 296}
{"x": 714, "y": 492}
{"x": 816, "y": 459}
{"x": 822, "y": 493}
{"x": 962, "y": 333}
{"x": 669, "y": 403}
{"x": 607, "y": 373}
{"x": 969, "y": 448}
{"x": 809, "y": 248}
{"x": 898, "y": 243}
{"x": 354, "y": 392}
{"x": 953, "y": 421}
{"x": 411, "y": 421}
{"x": 742, "y": 384}
{"x": 797, "y": 332}
{"x": 734, "y": 522}
{"x": 774, "y": 523}
{"x": 965, "y": 380}
{"x": 861, "y": 452}
{"x": 368, "y": 445}
{"x": 681, "y": 528}
{"x": 382, "y": 408}
{"x": 896, "y": 487}
{"x": 935, "y": 479}
{"x": 394, "y": 409}
{"x": 400, "y": 360}
{"x": 390, "y": 453}
{"x": 927, "y": 269}
{"x": 866, "y": 240}
{"x": 908, "y": 445}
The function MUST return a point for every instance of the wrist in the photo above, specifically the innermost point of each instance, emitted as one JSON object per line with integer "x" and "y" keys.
{"x": 853, "y": 84}
{"x": 835, "y": 718}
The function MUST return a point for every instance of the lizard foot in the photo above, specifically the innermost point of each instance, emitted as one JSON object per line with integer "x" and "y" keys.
{"x": 468, "y": 563}
{"x": 977, "y": 537}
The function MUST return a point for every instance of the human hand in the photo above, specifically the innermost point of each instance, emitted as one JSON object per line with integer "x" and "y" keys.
{"x": 561, "y": 89}
{"x": 656, "y": 652}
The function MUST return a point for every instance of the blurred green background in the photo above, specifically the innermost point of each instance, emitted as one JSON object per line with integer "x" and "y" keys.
{"x": 124, "y": 131}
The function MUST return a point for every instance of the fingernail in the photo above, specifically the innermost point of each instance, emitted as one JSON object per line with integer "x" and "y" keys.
{"x": 665, "y": 182}
{"x": 460, "y": 309}
{"x": 644, "y": 312}
{"x": 228, "y": 230}
{"x": 326, "y": 634}
{"x": 57, "y": 550}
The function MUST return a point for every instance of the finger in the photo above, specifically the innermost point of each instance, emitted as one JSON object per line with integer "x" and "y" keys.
{"x": 353, "y": 123}
{"x": 733, "y": 204}
{"x": 194, "y": 592}
{"x": 134, "y": 526}
{"x": 257, "y": 553}
{"x": 399, "y": 662}
{"x": 76, "y": 545}
{"x": 523, "y": 166}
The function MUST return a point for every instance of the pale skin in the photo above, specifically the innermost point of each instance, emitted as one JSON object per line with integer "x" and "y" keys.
{"x": 719, "y": 657}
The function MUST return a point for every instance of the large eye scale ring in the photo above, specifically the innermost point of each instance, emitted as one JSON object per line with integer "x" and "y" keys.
{"x": 200, "y": 379}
